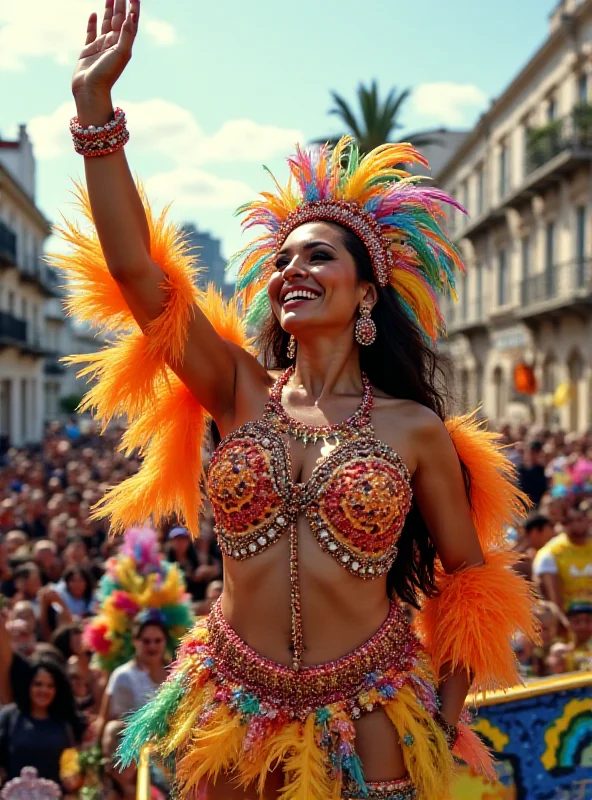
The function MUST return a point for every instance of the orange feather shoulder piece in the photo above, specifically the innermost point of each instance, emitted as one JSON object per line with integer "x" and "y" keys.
{"x": 133, "y": 376}
{"x": 470, "y": 623}
{"x": 495, "y": 500}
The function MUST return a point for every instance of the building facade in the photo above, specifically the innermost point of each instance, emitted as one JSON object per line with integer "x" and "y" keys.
{"x": 207, "y": 250}
{"x": 26, "y": 285}
{"x": 525, "y": 176}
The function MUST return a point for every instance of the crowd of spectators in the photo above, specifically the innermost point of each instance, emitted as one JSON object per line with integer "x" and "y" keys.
{"x": 555, "y": 542}
{"x": 52, "y": 556}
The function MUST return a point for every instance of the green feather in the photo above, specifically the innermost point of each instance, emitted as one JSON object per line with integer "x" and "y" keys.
{"x": 259, "y": 308}
{"x": 177, "y": 616}
{"x": 151, "y": 721}
{"x": 252, "y": 274}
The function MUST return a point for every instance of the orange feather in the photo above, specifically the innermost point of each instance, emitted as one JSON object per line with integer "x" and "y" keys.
{"x": 496, "y": 502}
{"x": 470, "y": 623}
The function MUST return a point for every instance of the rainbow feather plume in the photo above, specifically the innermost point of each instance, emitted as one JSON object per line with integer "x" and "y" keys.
{"x": 138, "y": 585}
{"x": 409, "y": 214}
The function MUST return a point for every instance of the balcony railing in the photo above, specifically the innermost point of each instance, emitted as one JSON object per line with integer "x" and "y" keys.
{"x": 7, "y": 245}
{"x": 54, "y": 367}
{"x": 461, "y": 318}
{"x": 573, "y": 132}
{"x": 562, "y": 282}
{"x": 12, "y": 329}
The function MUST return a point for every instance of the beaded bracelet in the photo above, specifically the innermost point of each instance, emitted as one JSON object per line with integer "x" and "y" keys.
{"x": 100, "y": 141}
{"x": 450, "y": 731}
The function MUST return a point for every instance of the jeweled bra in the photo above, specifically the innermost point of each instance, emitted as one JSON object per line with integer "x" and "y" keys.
{"x": 356, "y": 499}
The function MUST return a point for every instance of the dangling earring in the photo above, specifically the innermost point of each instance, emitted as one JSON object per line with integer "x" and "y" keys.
{"x": 365, "y": 330}
{"x": 291, "y": 348}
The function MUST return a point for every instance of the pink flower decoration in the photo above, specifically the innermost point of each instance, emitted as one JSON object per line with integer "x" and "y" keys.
{"x": 123, "y": 602}
{"x": 142, "y": 545}
{"x": 95, "y": 638}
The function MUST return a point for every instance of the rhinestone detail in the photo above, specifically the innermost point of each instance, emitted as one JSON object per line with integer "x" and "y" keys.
{"x": 355, "y": 500}
{"x": 352, "y": 216}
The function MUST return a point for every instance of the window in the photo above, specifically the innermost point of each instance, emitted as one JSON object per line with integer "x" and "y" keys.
{"x": 503, "y": 294}
{"x": 451, "y": 220}
{"x": 503, "y": 169}
{"x": 549, "y": 260}
{"x": 583, "y": 88}
{"x": 36, "y": 331}
{"x": 551, "y": 109}
{"x": 465, "y": 194}
{"x": 480, "y": 189}
{"x": 24, "y": 409}
{"x": 525, "y": 268}
{"x": 525, "y": 257}
{"x": 479, "y": 290}
{"x": 465, "y": 297}
{"x": 11, "y": 302}
{"x": 581, "y": 245}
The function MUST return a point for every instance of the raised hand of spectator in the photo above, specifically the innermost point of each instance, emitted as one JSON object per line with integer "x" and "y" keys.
{"x": 206, "y": 572}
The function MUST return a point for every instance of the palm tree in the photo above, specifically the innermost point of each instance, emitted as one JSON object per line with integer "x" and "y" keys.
{"x": 378, "y": 120}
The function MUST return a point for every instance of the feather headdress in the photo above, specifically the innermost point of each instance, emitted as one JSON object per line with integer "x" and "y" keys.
{"x": 397, "y": 219}
{"x": 138, "y": 586}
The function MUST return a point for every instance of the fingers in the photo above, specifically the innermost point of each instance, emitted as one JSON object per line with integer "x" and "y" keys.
{"x": 128, "y": 34}
{"x": 107, "y": 17}
{"x": 119, "y": 15}
{"x": 135, "y": 10}
{"x": 91, "y": 29}
{"x": 120, "y": 7}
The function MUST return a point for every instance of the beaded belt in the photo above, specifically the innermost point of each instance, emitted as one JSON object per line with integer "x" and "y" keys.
{"x": 401, "y": 789}
{"x": 392, "y": 647}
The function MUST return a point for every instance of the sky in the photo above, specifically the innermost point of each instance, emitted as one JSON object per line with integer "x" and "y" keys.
{"x": 216, "y": 88}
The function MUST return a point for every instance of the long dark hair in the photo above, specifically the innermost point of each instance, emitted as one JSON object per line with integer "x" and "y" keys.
{"x": 403, "y": 365}
{"x": 63, "y": 706}
{"x": 70, "y": 572}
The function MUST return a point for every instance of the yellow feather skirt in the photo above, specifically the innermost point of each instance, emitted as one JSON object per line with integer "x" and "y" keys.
{"x": 227, "y": 710}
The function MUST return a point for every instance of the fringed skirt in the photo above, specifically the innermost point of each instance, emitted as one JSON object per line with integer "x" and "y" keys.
{"x": 225, "y": 709}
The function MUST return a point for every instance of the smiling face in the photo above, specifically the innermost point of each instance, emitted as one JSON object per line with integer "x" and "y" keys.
{"x": 76, "y": 585}
{"x": 150, "y": 645}
{"x": 316, "y": 285}
{"x": 42, "y": 692}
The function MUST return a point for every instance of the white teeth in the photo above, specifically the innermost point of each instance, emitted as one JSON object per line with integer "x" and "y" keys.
{"x": 299, "y": 294}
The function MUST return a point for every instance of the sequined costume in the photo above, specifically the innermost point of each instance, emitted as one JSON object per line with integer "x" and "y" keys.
{"x": 225, "y": 708}
{"x": 355, "y": 501}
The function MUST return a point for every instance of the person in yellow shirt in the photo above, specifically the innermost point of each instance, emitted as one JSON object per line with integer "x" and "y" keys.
{"x": 579, "y": 615}
{"x": 563, "y": 567}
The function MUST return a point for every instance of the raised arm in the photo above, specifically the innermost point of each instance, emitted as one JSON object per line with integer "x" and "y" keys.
{"x": 210, "y": 364}
{"x": 481, "y": 601}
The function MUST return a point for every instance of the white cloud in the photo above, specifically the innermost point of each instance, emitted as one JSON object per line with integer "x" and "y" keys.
{"x": 196, "y": 188}
{"x": 159, "y": 126}
{"x": 161, "y": 32}
{"x": 56, "y": 30}
{"x": 167, "y": 129}
{"x": 444, "y": 103}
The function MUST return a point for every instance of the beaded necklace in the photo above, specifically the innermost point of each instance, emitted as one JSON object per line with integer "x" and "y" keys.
{"x": 348, "y": 429}
{"x": 312, "y": 433}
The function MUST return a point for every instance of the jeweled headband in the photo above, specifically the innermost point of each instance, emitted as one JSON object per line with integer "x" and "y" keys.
{"x": 397, "y": 219}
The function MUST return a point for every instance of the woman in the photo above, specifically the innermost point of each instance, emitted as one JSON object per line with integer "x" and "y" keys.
{"x": 336, "y": 482}
{"x": 77, "y": 591}
{"x": 131, "y": 685}
{"x": 36, "y": 731}
{"x": 87, "y": 683}
{"x": 199, "y": 565}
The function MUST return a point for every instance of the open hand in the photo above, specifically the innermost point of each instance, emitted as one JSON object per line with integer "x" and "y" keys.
{"x": 106, "y": 54}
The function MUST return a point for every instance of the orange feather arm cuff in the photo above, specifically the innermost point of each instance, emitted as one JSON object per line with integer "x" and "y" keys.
{"x": 470, "y": 623}
{"x": 133, "y": 378}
